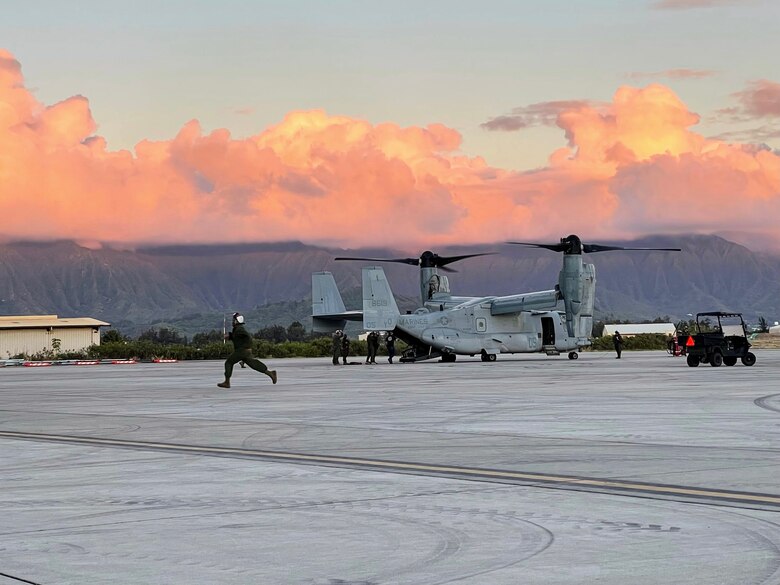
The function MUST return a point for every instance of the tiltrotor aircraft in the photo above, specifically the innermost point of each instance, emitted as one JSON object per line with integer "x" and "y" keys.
{"x": 446, "y": 326}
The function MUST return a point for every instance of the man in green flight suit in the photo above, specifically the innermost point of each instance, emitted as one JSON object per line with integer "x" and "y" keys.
{"x": 242, "y": 352}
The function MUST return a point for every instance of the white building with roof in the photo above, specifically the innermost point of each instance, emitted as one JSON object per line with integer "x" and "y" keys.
{"x": 631, "y": 329}
{"x": 31, "y": 334}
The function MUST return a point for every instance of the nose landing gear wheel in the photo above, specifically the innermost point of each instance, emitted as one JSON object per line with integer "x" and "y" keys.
{"x": 573, "y": 355}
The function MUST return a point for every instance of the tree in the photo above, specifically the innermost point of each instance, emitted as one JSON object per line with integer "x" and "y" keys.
{"x": 163, "y": 336}
{"x": 274, "y": 333}
{"x": 113, "y": 336}
{"x": 202, "y": 339}
{"x": 296, "y": 332}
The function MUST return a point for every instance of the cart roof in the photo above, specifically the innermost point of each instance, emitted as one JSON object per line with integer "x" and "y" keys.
{"x": 718, "y": 314}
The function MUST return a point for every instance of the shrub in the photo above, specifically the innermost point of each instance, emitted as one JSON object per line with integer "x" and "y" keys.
{"x": 644, "y": 341}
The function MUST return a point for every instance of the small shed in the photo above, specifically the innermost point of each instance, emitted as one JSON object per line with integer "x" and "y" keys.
{"x": 631, "y": 329}
{"x": 31, "y": 334}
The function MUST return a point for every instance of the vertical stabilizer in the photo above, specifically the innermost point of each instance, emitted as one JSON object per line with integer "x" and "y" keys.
{"x": 380, "y": 312}
{"x": 327, "y": 307}
{"x": 325, "y": 295}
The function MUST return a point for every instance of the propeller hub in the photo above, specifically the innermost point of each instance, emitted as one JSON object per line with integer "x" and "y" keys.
{"x": 571, "y": 244}
{"x": 428, "y": 259}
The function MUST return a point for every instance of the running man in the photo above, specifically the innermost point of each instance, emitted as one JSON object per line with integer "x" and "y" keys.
{"x": 242, "y": 352}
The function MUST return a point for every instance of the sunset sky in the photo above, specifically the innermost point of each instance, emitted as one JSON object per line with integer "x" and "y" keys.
{"x": 400, "y": 123}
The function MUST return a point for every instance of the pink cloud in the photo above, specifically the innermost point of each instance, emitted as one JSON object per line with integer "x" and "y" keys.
{"x": 541, "y": 114}
{"x": 676, "y": 74}
{"x": 760, "y": 99}
{"x": 629, "y": 167}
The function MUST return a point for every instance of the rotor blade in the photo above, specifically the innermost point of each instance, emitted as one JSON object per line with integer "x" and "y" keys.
{"x": 412, "y": 261}
{"x": 444, "y": 260}
{"x": 589, "y": 248}
{"x": 553, "y": 247}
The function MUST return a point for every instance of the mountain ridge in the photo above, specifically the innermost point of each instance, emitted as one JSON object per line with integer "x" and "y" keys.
{"x": 164, "y": 284}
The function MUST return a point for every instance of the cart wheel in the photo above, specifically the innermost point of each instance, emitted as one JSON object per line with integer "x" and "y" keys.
{"x": 692, "y": 360}
{"x": 729, "y": 361}
{"x": 749, "y": 359}
{"x": 716, "y": 359}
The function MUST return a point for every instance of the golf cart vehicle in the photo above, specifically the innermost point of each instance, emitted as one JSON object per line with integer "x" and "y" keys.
{"x": 721, "y": 338}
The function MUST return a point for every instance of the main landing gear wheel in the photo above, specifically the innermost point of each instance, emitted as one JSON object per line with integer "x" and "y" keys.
{"x": 487, "y": 357}
{"x": 573, "y": 355}
{"x": 448, "y": 357}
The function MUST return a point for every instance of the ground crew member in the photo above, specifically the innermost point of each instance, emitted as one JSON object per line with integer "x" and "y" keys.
{"x": 390, "y": 344}
{"x": 344, "y": 347}
{"x": 242, "y": 352}
{"x": 373, "y": 345}
{"x": 617, "y": 340}
{"x": 336, "y": 346}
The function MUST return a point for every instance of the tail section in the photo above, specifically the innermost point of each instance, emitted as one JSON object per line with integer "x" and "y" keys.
{"x": 380, "y": 312}
{"x": 327, "y": 307}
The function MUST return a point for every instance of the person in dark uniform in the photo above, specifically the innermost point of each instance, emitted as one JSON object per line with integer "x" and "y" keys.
{"x": 336, "y": 346}
{"x": 242, "y": 352}
{"x": 344, "y": 347}
{"x": 390, "y": 344}
{"x": 617, "y": 340}
{"x": 372, "y": 341}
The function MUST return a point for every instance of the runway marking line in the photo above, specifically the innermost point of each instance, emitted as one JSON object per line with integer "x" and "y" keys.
{"x": 448, "y": 470}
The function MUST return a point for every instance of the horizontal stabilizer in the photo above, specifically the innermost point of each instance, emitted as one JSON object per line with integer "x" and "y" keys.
{"x": 329, "y": 323}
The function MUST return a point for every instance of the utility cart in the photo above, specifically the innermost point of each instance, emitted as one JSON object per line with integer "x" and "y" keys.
{"x": 721, "y": 339}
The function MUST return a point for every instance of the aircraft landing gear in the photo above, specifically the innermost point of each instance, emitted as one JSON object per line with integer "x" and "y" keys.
{"x": 488, "y": 357}
{"x": 448, "y": 357}
{"x": 573, "y": 355}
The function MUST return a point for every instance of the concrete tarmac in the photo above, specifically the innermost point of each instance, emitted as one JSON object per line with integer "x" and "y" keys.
{"x": 527, "y": 470}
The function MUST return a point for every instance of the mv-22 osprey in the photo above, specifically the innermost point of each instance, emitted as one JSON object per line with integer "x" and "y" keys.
{"x": 446, "y": 326}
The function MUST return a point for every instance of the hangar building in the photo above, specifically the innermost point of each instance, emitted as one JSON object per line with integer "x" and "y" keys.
{"x": 31, "y": 334}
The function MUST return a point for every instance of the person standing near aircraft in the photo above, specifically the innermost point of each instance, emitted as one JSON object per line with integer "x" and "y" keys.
{"x": 390, "y": 344}
{"x": 617, "y": 340}
{"x": 344, "y": 347}
{"x": 336, "y": 346}
{"x": 372, "y": 341}
{"x": 242, "y": 352}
